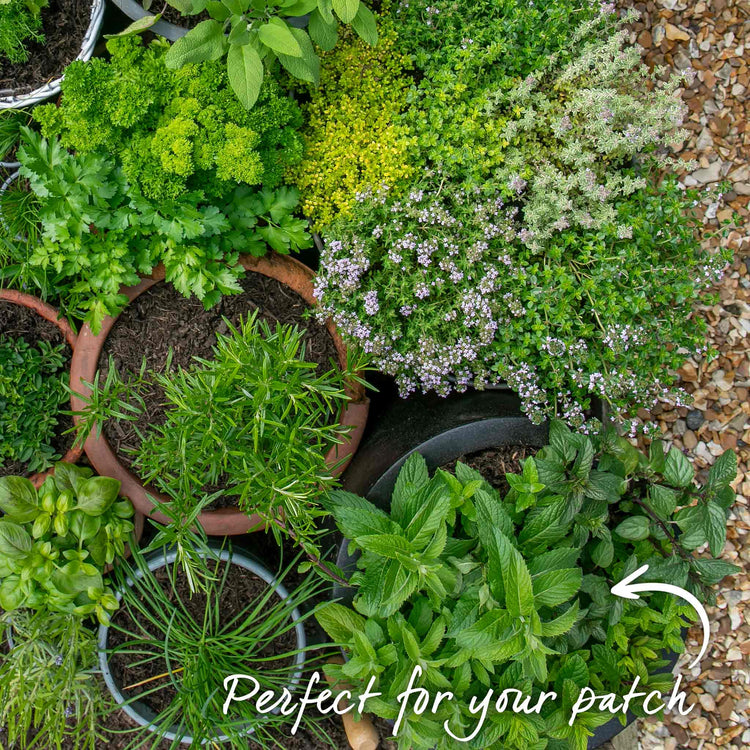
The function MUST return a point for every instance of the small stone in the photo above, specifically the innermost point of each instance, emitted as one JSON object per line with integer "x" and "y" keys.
{"x": 675, "y": 34}
{"x": 712, "y": 687}
{"x": 704, "y": 141}
{"x": 645, "y": 39}
{"x": 734, "y": 654}
{"x": 711, "y": 173}
{"x": 707, "y": 702}
{"x": 681, "y": 60}
{"x": 689, "y": 440}
{"x": 657, "y": 34}
{"x": 694, "y": 419}
{"x": 699, "y": 725}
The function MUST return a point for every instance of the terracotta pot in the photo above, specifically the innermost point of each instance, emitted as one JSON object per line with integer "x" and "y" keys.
{"x": 224, "y": 521}
{"x": 48, "y": 313}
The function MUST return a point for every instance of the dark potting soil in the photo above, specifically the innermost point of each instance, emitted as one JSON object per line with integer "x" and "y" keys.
{"x": 240, "y": 589}
{"x": 64, "y": 23}
{"x": 174, "y": 16}
{"x": 494, "y": 463}
{"x": 17, "y": 322}
{"x": 161, "y": 319}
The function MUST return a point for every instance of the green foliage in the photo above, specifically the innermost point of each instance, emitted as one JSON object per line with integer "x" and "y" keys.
{"x": 352, "y": 138}
{"x": 173, "y": 131}
{"x": 98, "y": 232}
{"x": 198, "y": 645}
{"x": 463, "y": 51}
{"x": 255, "y": 422}
{"x": 254, "y": 34}
{"x": 55, "y": 542}
{"x": 20, "y": 24}
{"x": 456, "y": 301}
{"x": 32, "y": 392}
{"x": 11, "y": 122}
{"x": 49, "y": 691}
{"x": 488, "y": 592}
{"x": 533, "y": 244}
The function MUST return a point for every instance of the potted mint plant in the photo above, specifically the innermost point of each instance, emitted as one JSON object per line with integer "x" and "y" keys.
{"x": 497, "y": 590}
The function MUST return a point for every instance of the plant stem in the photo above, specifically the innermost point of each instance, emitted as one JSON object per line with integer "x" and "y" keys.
{"x": 316, "y": 561}
{"x": 672, "y": 538}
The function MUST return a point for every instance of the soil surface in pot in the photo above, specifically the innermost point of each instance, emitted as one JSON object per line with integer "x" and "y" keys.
{"x": 17, "y": 322}
{"x": 172, "y": 15}
{"x": 64, "y": 23}
{"x": 240, "y": 589}
{"x": 494, "y": 463}
{"x": 161, "y": 319}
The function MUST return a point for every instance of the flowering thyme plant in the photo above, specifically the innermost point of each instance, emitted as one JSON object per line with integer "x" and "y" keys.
{"x": 417, "y": 282}
{"x": 438, "y": 289}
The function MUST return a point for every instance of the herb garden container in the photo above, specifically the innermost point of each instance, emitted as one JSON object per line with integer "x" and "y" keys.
{"x": 465, "y": 426}
{"x": 222, "y": 521}
{"x": 138, "y": 710}
{"x": 48, "y": 85}
{"x": 50, "y": 315}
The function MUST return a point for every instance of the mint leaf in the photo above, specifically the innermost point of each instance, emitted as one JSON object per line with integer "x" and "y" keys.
{"x": 723, "y": 471}
{"x": 678, "y": 471}
{"x": 557, "y": 586}
{"x": 634, "y": 528}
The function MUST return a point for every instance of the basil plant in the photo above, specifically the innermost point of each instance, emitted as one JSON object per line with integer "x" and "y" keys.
{"x": 490, "y": 592}
{"x": 253, "y": 34}
{"x": 56, "y": 541}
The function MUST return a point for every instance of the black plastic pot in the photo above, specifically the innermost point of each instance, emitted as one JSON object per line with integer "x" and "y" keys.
{"x": 442, "y": 430}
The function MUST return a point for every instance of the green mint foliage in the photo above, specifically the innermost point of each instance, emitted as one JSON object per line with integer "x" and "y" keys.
{"x": 485, "y": 592}
{"x": 20, "y": 25}
{"x": 33, "y": 382}
{"x": 99, "y": 232}
{"x": 173, "y": 131}
{"x": 254, "y": 422}
{"x": 50, "y": 694}
{"x": 253, "y": 34}
{"x": 55, "y": 542}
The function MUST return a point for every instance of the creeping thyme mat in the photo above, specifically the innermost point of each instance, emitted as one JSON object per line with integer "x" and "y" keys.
{"x": 713, "y": 37}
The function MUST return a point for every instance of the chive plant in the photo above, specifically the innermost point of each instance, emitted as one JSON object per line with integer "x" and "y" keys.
{"x": 191, "y": 649}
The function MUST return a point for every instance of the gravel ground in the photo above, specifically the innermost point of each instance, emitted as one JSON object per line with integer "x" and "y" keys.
{"x": 712, "y": 38}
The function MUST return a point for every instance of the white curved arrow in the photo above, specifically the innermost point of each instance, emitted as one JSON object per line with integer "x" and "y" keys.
{"x": 628, "y": 590}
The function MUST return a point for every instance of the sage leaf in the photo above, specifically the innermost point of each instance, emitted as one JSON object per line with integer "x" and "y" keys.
{"x": 204, "y": 42}
{"x": 278, "y": 36}
{"x": 245, "y": 71}
{"x": 346, "y": 10}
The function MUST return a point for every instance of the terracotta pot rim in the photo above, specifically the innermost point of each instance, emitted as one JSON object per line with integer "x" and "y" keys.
{"x": 232, "y": 521}
{"x": 51, "y": 315}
